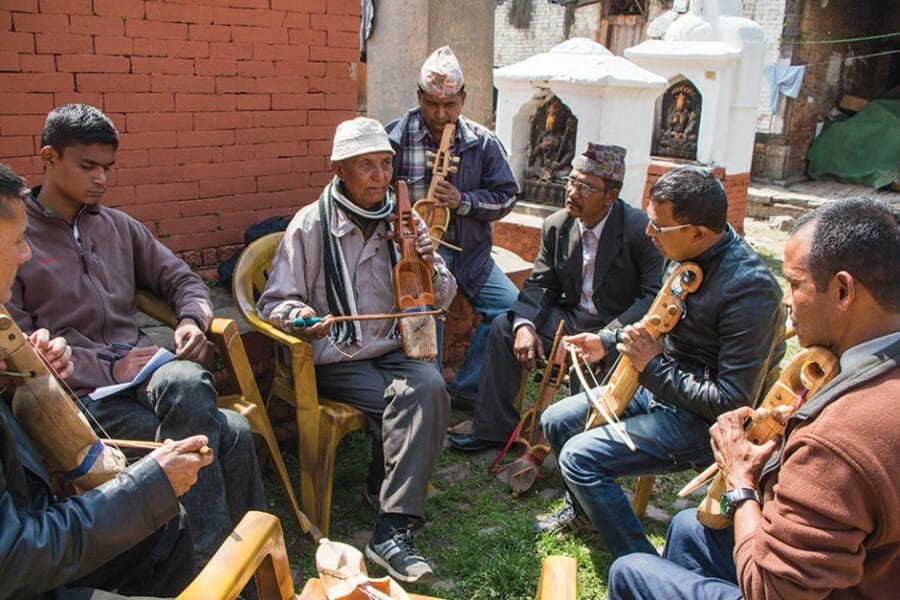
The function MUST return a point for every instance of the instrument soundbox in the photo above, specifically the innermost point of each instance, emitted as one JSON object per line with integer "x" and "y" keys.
{"x": 437, "y": 218}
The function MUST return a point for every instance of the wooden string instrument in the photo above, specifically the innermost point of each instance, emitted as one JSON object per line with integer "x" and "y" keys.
{"x": 48, "y": 415}
{"x": 804, "y": 376}
{"x": 437, "y": 218}
{"x": 664, "y": 314}
{"x": 529, "y": 435}
{"x": 413, "y": 292}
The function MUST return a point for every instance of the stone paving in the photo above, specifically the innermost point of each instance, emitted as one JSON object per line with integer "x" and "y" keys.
{"x": 767, "y": 200}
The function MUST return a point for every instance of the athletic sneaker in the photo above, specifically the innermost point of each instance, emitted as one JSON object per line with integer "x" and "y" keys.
{"x": 400, "y": 557}
{"x": 564, "y": 520}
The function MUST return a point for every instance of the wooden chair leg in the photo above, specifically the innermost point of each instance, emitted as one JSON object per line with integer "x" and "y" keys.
{"x": 642, "y": 494}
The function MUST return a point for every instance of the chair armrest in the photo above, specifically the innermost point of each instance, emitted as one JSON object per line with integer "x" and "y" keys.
{"x": 558, "y": 579}
{"x": 256, "y": 546}
{"x": 154, "y": 306}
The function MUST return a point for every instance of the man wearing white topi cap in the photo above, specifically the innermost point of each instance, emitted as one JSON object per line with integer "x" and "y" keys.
{"x": 336, "y": 259}
{"x": 481, "y": 191}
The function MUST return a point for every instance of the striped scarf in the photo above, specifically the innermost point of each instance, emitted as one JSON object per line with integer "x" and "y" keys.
{"x": 338, "y": 282}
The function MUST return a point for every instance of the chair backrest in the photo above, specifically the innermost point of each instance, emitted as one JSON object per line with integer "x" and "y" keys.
{"x": 251, "y": 273}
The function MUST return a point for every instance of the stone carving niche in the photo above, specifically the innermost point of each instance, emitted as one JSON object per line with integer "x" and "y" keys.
{"x": 550, "y": 152}
{"x": 678, "y": 122}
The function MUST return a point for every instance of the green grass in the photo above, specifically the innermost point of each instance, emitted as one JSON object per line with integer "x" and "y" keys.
{"x": 479, "y": 537}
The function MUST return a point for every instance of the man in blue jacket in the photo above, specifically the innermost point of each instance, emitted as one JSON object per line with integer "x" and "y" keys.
{"x": 129, "y": 534}
{"x": 483, "y": 190}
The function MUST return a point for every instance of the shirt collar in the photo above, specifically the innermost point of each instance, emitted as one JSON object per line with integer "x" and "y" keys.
{"x": 854, "y": 356}
{"x": 596, "y": 229}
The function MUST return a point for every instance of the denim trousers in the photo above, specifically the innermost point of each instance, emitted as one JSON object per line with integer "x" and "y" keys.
{"x": 179, "y": 401}
{"x": 668, "y": 439}
{"x": 697, "y": 563}
{"x": 494, "y": 298}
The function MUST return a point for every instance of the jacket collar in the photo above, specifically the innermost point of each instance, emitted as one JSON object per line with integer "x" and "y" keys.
{"x": 412, "y": 122}
{"x": 31, "y": 199}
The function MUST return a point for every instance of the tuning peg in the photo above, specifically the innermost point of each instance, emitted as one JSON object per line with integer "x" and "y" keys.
{"x": 429, "y": 163}
{"x": 454, "y": 160}
{"x": 430, "y": 154}
{"x": 453, "y": 169}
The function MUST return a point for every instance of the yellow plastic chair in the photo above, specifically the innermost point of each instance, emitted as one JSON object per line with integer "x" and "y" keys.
{"x": 247, "y": 401}
{"x": 321, "y": 423}
{"x": 255, "y": 547}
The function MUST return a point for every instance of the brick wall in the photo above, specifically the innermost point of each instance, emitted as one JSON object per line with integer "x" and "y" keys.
{"x": 226, "y": 107}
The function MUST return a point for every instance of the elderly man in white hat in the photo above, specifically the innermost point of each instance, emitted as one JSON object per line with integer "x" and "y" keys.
{"x": 336, "y": 259}
{"x": 481, "y": 191}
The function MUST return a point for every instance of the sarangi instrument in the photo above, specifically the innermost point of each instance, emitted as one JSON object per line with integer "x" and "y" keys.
{"x": 662, "y": 317}
{"x": 804, "y": 376}
{"x": 48, "y": 415}
{"x": 437, "y": 218}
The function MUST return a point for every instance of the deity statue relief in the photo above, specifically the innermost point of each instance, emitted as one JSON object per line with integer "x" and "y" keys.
{"x": 552, "y": 143}
{"x": 680, "y": 120}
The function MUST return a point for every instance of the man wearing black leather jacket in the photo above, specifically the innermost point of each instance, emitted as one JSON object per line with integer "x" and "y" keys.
{"x": 719, "y": 356}
{"x": 129, "y": 534}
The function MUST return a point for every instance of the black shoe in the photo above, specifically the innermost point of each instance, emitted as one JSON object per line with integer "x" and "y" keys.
{"x": 400, "y": 557}
{"x": 470, "y": 443}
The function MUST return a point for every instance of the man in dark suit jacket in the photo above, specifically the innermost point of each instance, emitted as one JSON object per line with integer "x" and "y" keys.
{"x": 597, "y": 269}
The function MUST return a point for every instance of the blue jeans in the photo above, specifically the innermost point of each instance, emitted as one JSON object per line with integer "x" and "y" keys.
{"x": 667, "y": 439}
{"x": 494, "y": 298}
{"x": 179, "y": 401}
{"x": 697, "y": 563}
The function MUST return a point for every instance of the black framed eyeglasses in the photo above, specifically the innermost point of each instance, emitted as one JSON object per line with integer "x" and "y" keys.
{"x": 583, "y": 188}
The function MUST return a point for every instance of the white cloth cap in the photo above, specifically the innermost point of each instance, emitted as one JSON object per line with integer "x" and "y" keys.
{"x": 359, "y": 136}
{"x": 441, "y": 74}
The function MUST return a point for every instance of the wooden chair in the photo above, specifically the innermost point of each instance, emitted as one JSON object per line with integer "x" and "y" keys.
{"x": 255, "y": 547}
{"x": 247, "y": 401}
{"x": 321, "y": 423}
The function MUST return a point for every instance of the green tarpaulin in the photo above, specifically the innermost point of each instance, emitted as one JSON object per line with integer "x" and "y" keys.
{"x": 864, "y": 149}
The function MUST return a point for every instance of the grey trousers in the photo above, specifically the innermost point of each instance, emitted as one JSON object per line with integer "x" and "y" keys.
{"x": 408, "y": 409}
{"x": 178, "y": 401}
{"x": 495, "y": 416}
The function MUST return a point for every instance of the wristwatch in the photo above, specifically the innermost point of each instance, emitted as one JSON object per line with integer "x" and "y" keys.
{"x": 731, "y": 499}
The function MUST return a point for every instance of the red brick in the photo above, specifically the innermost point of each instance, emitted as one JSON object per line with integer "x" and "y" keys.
{"x": 284, "y": 84}
{"x": 211, "y": 33}
{"x": 330, "y": 22}
{"x": 160, "y": 121}
{"x": 113, "y": 45}
{"x": 244, "y": 3}
{"x": 21, "y": 5}
{"x": 255, "y": 68}
{"x": 183, "y": 49}
{"x": 279, "y": 118}
{"x": 209, "y": 172}
{"x": 277, "y": 52}
{"x": 321, "y": 146}
{"x": 342, "y": 39}
{"x": 219, "y": 120}
{"x": 205, "y": 138}
{"x": 254, "y": 102}
{"x": 255, "y": 135}
{"x": 203, "y": 102}
{"x": 38, "y": 63}
{"x": 253, "y": 17}
{"x": 128, "y": 159}
{"x": 9, "y": 61}
{"x": 279, "y": 150}
{"x": 306, "y": 36}
{"x": 29, "y": 167}
{"x": 297, "y": 21}
{"x": 237, "y": 185}
{"x": 299, "y": 68}
{"x": 291, "y": 134}
{"x": 309, "y": 164}
{"x": 287, "y": 181}
{"x": 274, "y": 35}
{"x": 150, "y": 174}
{"x": 325, "y": 117}
{"x": 93, "y": 63}
{"x": 125, "y": 9}
{"x": 332, "y": 54}
{"x": 231, "y": 50}
{"x": 25, "y": 104}
{"x": 236, "y": 85}
{"x": 297, "y": 101}
{"x": 63, "y": 43}
{"x": 93, "y": 25}
{"x": 103, "y": 83}
{"x": 72, "y": 97}
{"x": 40, "y": 23}
{"x": 331, "y": 86}
{"x": 191, "y": 13}
{"x": 168, "y": 66}
{"x": 170, "y": 191}
{"x": 309, "y": 6}
{"x": 148, "y": 47}
{"x": 183, "y": 83}
{"x": 36, "y": 82}
{"x": 268, "y": 166}
{"x": 184, "y": 156}
{"x": 238, "y": 154}
{"x": 198, "y": 207}
{"x": 217, "y": 66}
{"x": 343, "y": 7}
{"x": 17, "y": 41}
{"x": 21, "y": 145}
{"x": 31, "y": 124}
{"x": 156, "y": 29}
{"x": 146, "y": 102}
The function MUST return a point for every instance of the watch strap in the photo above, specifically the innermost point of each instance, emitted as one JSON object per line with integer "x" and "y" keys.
{"x": 731, "y": 499}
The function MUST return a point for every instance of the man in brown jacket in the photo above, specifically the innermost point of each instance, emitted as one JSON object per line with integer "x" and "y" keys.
{"x": 815, "y": 513}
